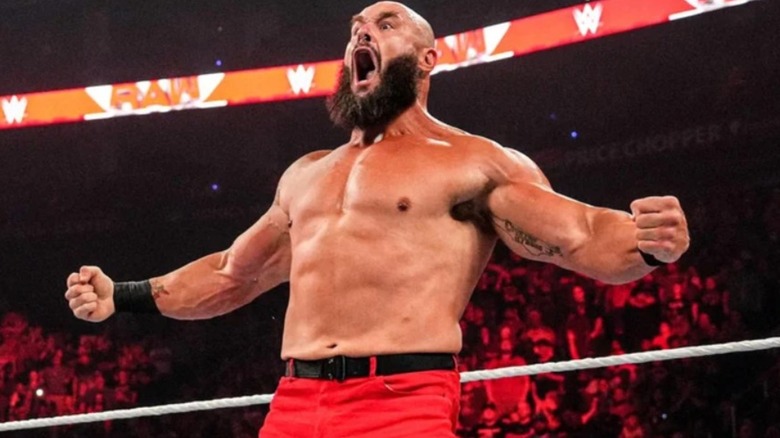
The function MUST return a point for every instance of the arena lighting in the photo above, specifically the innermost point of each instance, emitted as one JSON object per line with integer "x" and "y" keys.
{"x": 488, "y": 44}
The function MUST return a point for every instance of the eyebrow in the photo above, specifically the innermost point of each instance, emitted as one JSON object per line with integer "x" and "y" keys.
{"x": 384, "y": 15}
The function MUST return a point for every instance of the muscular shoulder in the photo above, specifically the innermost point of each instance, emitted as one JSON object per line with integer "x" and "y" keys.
{"x": 302, "y": 163}
{"x": 292, "y": 173}
{"x": 500, "y": 164}
{"x": 307, "y": 159}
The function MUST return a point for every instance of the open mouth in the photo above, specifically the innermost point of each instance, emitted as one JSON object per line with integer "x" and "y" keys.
{"x": 365, "y": 64}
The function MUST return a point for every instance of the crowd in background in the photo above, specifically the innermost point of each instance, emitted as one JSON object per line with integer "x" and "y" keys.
{"x": 521, "y": 313}
{"x": 724, "y": 290}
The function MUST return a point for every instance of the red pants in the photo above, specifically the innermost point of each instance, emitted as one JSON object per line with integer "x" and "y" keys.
{"x": 419, "y": 404}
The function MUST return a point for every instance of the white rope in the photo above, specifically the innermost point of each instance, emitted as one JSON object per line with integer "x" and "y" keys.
{"x": 610, "y": 361}
{"x": 470, "y": 376}
{"x": 122, "y": 414}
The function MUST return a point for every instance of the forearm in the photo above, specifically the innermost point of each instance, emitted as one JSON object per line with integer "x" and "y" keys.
{"x": 610, "y": 253}
{"x": 257, "y": 261}
{"x": 542, "y": 225}
{"x": 202, "y": 289}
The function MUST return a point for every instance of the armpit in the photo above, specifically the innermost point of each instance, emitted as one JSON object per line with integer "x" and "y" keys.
{"x": 472, "y": 207}
{"x": 473, "y": 211}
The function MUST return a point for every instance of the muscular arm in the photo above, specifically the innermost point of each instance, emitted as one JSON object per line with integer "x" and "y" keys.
{"x": 542, "y": 225}
{"x": 257, "y": 261}
{"x": 219, "y": 283}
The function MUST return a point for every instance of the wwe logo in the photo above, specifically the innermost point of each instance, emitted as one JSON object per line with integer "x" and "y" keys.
{"x": 300, "y": 79}
{"x": 14, "y": 109}
{"x": 588, "y": 19}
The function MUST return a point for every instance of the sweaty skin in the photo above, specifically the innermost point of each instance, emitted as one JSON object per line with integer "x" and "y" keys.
{"x": 380, "y": 265}
{"x": 384, "y": 238}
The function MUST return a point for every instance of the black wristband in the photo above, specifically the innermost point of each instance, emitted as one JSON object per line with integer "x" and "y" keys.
{"x": 134, "y": 297}
{"x": 650, "y": 259}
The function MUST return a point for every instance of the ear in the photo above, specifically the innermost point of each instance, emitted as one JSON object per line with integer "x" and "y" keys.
{"x": 428, "y": 59}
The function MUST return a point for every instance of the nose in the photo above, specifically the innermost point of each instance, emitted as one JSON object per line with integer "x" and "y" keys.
{"x": 363, "y": 37}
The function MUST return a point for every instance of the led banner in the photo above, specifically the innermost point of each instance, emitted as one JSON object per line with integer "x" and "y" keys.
{"x": 703, "y": 137}
{"x": 492, "y": 43}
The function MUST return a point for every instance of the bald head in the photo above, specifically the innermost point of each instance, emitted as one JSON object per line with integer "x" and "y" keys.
{"x": 387, "y": 66}
{"x": 425, "y": 37}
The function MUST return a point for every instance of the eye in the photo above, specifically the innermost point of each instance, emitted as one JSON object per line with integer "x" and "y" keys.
{"x": 385, "y": 25}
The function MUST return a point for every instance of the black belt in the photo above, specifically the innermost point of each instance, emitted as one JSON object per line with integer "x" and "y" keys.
{"x": 343, "y": 367}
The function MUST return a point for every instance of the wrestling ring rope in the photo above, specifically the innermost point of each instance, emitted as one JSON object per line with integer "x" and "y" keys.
{"x": 469, "y": 376}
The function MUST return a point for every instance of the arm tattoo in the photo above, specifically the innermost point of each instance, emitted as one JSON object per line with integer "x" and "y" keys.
{"x": 534, "y": 246}
{"x": 158, "y": 289}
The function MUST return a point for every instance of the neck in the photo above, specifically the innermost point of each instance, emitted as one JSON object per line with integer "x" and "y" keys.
{"x": 415, "y": 120}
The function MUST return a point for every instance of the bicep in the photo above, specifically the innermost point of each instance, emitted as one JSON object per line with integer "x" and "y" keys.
{"x": 538, "y": 223}
{"x": 262, "y": 252}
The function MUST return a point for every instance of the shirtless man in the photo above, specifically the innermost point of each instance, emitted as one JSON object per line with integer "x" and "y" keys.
{"x": 383, "y": 240}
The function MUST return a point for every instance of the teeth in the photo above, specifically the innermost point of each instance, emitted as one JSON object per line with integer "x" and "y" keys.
{"x": 370, "y": 74}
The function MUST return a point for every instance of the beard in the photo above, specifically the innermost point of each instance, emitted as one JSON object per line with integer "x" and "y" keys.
{"x": 397, "y": 90}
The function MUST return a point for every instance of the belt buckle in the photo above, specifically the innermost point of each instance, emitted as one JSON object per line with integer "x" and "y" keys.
{"x": 335, "y": 368}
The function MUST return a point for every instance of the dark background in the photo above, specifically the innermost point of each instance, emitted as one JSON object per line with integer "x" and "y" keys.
{"x": 134, "y": 195}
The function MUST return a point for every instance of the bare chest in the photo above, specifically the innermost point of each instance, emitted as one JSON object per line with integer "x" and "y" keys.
{"x": 387, "y": 179}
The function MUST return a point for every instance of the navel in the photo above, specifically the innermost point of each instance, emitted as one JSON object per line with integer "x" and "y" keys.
{"x": 404, "y": 204}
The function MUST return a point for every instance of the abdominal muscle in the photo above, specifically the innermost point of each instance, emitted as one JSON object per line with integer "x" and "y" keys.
{"x": 364, "y": 294}
{"x": 351, "y": 329}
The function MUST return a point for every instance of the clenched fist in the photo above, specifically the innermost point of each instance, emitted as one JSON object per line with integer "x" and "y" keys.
{"x": 90, "y": 294}
{"x": 662, "y": 230}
